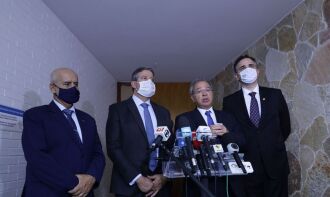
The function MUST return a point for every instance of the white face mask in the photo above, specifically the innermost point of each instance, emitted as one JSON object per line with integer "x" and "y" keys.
{"x": 248, "y": 75}
{"x": 147, "y": 88}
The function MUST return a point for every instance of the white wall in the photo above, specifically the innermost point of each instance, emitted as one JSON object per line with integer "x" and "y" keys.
{"x": 32, "y": 43}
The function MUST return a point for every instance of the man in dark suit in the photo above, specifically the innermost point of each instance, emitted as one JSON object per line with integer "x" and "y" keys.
{"x": 130, "y": 131}
{"x": 264, "y": 117}
{"x": 227, "y": 132}
{"x": 61, "y": 144}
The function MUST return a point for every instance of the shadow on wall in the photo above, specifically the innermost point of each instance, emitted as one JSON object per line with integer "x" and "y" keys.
{"x": 31, "y": 99}
{"x": 87, "y": 107}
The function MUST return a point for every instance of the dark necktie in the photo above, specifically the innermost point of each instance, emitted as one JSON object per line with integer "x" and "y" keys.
{"x": 68, "y": 114}
{"x": 150, "y": 134}
{"x": 254, "y": 110}
{"x": 209, "y": 118}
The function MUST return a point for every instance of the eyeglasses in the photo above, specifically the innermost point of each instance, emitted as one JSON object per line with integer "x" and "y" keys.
{"x": 202, "y": 91}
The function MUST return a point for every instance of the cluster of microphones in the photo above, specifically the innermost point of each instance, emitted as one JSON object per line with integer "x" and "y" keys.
{"x": 201, "y": 152}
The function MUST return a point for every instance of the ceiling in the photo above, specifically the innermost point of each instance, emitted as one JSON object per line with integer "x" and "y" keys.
{"x": 181, "y": 39}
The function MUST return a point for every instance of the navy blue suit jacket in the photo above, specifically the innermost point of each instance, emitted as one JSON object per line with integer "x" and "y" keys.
{"x": 53, "y": 156}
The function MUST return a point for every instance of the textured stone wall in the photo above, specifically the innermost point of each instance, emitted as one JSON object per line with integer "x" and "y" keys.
{"x": 295, "y": 57}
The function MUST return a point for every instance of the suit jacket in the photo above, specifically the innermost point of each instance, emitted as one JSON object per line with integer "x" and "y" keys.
{"x": 53, "y": 156}
{"x": 265, "y": 147}
{"x": 127, "y": 143}
{"x": 234, "y": 135}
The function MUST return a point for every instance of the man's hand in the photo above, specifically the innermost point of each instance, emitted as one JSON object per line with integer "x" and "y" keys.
{"x": 158, "y": 180}
{"x": 218, "y": 129}
{"x": 144, "y": 184}
{"x": 84, "y": 186}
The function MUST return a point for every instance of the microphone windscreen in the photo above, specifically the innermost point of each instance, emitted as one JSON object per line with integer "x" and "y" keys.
{"x": 182, "y": 121}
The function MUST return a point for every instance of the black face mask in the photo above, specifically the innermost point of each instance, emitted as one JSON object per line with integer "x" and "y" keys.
{"x": 69, "y": 96}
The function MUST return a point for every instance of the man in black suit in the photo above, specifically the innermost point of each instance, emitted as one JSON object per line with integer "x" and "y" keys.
{"x": 264, "y": 117}
{"x": 227, "y": 132}
{"x": 61, "y": 144}
{"x": 129, "y": 132}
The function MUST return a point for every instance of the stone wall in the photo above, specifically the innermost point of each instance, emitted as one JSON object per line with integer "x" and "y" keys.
{"x": 295, "y": 57}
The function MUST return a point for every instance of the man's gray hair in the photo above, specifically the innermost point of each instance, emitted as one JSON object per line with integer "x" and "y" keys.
{"x": 194, "y": 82}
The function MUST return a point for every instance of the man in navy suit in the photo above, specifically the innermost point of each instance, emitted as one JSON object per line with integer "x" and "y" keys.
{"x": 264, "y": 117}
{"x": 228, "y": 131}
{"x": 61, "y": 144}
{"x": 130, "y": 131}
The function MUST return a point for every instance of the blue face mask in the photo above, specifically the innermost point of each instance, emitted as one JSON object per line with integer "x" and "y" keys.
{"x": 69, "y": 96}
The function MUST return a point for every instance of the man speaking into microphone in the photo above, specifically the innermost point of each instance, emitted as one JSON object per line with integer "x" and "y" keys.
{"x": 130, "y": 132}
{"x": 227, "y": 131}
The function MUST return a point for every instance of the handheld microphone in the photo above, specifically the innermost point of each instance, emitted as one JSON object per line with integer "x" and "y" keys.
{"x": 209, "y": 152}
{"x": 233, "y": 149}
{"x": 205, "y": 160}
{"x": 162, "y": 133}
{"x": 217, "y": 148}
{"x": 186, "y": 133}
{"x": 203, "y": 131}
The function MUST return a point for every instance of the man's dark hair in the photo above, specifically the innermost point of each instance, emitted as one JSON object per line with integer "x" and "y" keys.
{"x": 134, "y": 76}
{"x": 240, "y": 58}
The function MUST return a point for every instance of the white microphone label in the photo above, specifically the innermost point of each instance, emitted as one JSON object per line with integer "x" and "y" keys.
{"x": 237, "y": 170}
{"x": 217, "y": 148}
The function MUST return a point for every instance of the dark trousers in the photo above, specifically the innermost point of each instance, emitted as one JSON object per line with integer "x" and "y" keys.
{"x": 164, "y": 192}
{"x": 219, "y": 186}
{"x": 261, "y": 185}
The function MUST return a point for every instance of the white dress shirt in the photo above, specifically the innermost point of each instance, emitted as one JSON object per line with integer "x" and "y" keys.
{"x": 247, "y": 98}
{"x": 74, "y": 117}
{"x": 202, "y": 111}
{"x": 138, "y": 103}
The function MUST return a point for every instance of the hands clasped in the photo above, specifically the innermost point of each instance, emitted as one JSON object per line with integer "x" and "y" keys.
{"x": 218, "y": 129}
{"x": 151, "y": 184}
{"x": 84, "y": 186}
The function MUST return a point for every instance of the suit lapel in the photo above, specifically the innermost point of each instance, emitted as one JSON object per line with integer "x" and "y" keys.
{"x": 158, "y": 115}
{"x": 199, "y": 118}
{"x": 264, "y": 100}
{"x": 243, "y": 114}
{"x": 83, "y": 126}
{"x": 60, "y": 117}
{"x": 135, "y": 112}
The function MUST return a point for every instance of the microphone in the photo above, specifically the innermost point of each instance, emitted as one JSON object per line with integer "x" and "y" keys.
{"x": 203, "y": 134}
{"x": 186, "y": 133}
{"x": 233, "y": 149}
{"x": 218, "y": 150}
{"x": 203, "y": 131}
{"x": 162, "y": 133}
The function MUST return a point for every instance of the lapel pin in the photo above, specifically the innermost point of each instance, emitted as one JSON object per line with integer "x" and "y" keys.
{"x": 264, "y": 99}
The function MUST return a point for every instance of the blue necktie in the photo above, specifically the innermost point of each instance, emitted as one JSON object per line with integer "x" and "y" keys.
{"x": 254, "y": 110}
{"x": 209, "y": 118}
{"x": 68, "y": 114}
{"x": 150, "y": 134}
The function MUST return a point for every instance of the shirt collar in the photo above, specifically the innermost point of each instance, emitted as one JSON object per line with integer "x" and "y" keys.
{"x": 138, "y": 101}
{"x": 202, "y": 111}
{"x": 59, "y": 105}
{"x": 247, "y": 91}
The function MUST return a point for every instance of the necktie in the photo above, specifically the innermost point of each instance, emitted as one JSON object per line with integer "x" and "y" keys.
{"x": 254, "y": 110}
{"x": 68, "y": 115}
{"x": 209, "y": 118}
{"x": 150, "y": 134}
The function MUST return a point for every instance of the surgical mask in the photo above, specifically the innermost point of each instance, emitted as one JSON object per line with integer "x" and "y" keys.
{"x": 69, "y": 96}
{"x": 147, "y": 88}
{"x": 248, "y": 75}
